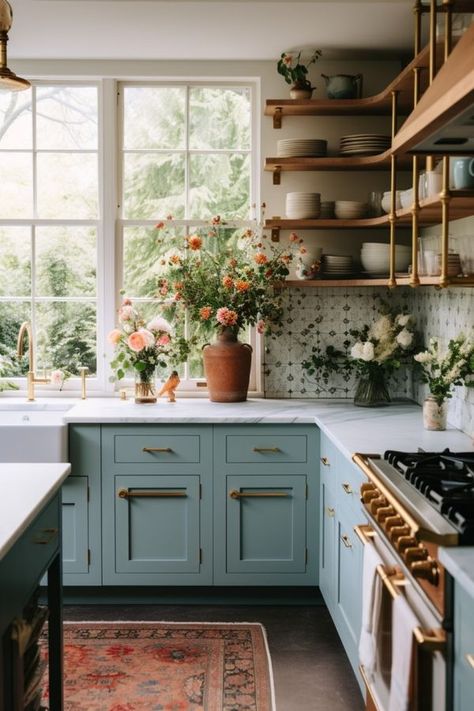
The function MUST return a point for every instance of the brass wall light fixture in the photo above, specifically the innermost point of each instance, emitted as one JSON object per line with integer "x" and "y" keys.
{"x": 8, "y": 80}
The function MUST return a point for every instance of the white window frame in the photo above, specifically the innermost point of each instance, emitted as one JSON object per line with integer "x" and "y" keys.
{"x": 193, "y": 386}
{"x": 109, "y": 225}
{"x": 96, "y": 382}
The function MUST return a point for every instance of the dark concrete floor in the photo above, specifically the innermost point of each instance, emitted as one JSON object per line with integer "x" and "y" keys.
{"x": 310, "y": 668}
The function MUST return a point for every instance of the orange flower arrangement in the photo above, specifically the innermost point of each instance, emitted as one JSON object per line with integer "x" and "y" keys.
{"x": 228, "y": 279}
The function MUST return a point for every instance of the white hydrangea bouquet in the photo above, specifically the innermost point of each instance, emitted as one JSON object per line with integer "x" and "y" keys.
{"x": 442, "y": 370}
{"x": 379, "y": 349}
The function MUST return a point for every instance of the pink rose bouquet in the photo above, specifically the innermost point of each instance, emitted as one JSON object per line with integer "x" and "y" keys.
{"x": 140, "y": 346}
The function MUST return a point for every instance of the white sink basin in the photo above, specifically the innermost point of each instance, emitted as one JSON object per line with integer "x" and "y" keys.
{"x": 33, "y": 432}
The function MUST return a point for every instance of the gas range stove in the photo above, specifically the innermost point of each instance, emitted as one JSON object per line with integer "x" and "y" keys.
{"x": 446, "y": 480}
{"x": 416, "y": 502}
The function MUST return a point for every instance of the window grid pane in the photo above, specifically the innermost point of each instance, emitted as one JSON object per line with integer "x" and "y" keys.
{"x": 54, "y": 268}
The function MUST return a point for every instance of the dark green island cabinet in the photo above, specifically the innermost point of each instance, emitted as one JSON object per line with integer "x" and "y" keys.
{"x": 154, "y": 504}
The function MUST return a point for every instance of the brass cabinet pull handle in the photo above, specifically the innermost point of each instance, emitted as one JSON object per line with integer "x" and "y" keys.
{"x": 330, "y": 511}
{"x": 157, "y": 449}
{"x": 347, "y": 488}
{"x": 148, "y": 494}
{"x": 325, "y": 461}
{"x": 234, "y": 494}
{"x": 260, "y": 450}
{"x": 346, "y": 540}
{"x": 470, "y": 660}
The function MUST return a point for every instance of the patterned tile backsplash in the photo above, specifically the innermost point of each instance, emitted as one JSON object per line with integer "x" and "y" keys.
{"x": 319, "y": 317}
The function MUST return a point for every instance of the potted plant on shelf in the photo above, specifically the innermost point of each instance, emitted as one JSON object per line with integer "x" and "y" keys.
{"x": 441, "y": 371}
{"x": 379, "y": 350}
{"x": 296, "y": 73}
{"x": 225, "y": 280}
{"x": 141, "y": 347}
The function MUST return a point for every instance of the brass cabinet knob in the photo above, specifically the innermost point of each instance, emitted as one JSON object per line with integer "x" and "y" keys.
{"x": 415, "y": 553}
{"x": 384, "y": 512}
{"x": 377, "y": 503}
{"x": 397, "y": 532}
{"x": 325, "y": 461}
{"x": 405, "y": 542}
{"x": 393, "y": 522}
{"x": 347, "y": 488}
{"x": 425, "y": 569}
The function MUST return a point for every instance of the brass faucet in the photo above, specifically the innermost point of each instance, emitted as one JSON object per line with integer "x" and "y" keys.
{"x": 31, "y": 378}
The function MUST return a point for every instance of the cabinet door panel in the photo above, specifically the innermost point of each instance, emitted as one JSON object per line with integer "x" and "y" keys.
{"x": 327, "y": 570}
{"x": 266, "y": 448}
{"x": 158, "y": 532}
{"x": 349, "y": 578}
{"x": 266, "y": 524}
{"x": 75, "y": 525}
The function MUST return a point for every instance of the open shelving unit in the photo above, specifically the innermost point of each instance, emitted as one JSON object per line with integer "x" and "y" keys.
{"x": 400, "y": 97}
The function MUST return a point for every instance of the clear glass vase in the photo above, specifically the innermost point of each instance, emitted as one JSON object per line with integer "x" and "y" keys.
{"x": 371, "y": 390}
{"x": 145, "y": 388}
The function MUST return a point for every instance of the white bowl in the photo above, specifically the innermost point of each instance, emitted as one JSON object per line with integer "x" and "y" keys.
{"x": 406, "y": 198}
{"x": 386, "y": 201}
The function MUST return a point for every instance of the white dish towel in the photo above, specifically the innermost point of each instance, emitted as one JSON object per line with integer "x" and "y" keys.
{"x": 371, "y": 602}
{"x": 403, "y": 624}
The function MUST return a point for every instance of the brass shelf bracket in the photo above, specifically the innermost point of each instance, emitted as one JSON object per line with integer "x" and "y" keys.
{"x": 277, "y": 175}
{"x": 277, "y": 116}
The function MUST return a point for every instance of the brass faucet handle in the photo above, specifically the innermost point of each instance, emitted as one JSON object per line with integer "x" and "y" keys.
{"x": 83, "y": 370}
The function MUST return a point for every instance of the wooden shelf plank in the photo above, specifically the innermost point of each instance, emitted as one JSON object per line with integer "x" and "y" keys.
{"x": 401, "y": 281}
{"x": 380, "y": 161}
{"x": 376, "y": 105}
{"x": 461, "y": 205}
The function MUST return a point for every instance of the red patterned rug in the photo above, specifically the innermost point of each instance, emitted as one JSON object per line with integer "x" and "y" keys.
{"x": 166, "y": 666}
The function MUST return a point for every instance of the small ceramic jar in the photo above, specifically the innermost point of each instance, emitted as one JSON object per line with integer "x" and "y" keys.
{"x": 434, "y": 415}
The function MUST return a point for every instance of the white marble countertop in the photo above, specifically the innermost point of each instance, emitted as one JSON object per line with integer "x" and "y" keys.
{"x": 353, "y": 429}
{"x": 460, "y": 563}
{"x": 26, "y": 488}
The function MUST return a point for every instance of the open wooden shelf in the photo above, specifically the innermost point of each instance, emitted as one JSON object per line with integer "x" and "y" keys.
{"x": 380, "y": 161}
{"x": 401, "y": 281}
{"x": 377, "y": 105}
{"x": 461, "y": 205}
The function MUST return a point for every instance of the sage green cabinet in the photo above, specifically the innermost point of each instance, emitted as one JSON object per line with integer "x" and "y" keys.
{"x": 463, "y": 649}
{"x": 341, "y": 552}
{"x": 265, "y": 505}
{"x": 157, "y": 505}
{"x": 82, "y": 509}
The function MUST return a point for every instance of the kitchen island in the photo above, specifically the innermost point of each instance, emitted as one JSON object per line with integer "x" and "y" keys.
{"x": 30, "y": 534}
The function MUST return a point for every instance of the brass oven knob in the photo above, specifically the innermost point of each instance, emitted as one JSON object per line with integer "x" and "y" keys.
{"x": 370, "y": 495}
{"x": 416, "y": 553}
{"x": 367, "y": 486}
{"x": 393, "y": 522}
{"x": 426, "y": 569}
{"x": 405, "y": 542}
{"x": 397, "y": 532}
{"x": 384, "y": 512}
{"x": 377, "y": 503}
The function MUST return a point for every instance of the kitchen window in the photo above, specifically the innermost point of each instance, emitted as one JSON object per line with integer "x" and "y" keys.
{"x": 186, "y": 153}
{"x": 49, "y": 224}
{"x": 86, "y": 172}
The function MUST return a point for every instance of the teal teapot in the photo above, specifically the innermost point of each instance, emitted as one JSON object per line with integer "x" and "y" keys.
{"x": 343, "y": 86}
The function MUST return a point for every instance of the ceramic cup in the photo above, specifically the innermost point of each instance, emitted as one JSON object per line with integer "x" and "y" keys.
{"x": 463, "y": 173}
{"x": 434, "y": 183}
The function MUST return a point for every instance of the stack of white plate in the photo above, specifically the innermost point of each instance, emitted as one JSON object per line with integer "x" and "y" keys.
{"x": 375, "y": 258}
{"x": 337, "y": 265}
{"x": 350, "y": 209}
{"x": 292, "y": 147}
{"x": 303, "y": 206}
{"x": 364, "y": 144}
{"x": 327, "y": 210}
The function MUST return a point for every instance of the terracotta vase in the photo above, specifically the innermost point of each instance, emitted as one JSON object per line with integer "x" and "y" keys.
{"x": 227, "y": 366}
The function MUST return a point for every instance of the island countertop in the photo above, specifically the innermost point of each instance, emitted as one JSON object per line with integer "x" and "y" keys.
{"x": 25, "y": 490}
{"x": 353, "y": 429}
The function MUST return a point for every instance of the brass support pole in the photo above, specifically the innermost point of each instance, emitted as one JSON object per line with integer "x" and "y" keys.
{"x": 432, "y": 62}
{"x": 393, "y": 189}
{"x": 448, "y": 27}
{"x": 445, "y": 198}
{"x": 414, "y": 279}
{"x": 417, "y": 36}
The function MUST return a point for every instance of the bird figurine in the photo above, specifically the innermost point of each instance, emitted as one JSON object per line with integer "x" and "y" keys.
{"x": 170, "y": 386}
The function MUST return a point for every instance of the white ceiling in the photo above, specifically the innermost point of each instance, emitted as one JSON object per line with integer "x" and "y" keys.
{"x": 204, "y": 30}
